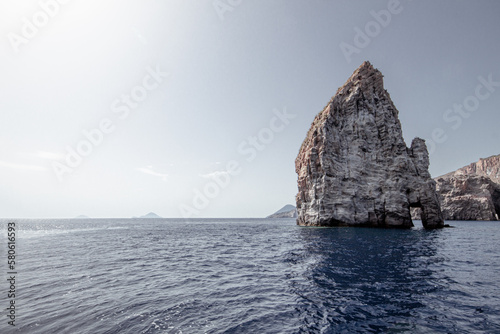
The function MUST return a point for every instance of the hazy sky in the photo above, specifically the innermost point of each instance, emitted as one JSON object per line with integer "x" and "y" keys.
{"x": 198, "y": 108}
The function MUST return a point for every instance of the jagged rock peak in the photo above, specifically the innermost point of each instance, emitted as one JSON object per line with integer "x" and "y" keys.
{"x": 354, "y": 167}
{"x": 365, "y": 76}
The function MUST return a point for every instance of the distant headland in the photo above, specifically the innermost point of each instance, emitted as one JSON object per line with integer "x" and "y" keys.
{"x": 288, "y": 211}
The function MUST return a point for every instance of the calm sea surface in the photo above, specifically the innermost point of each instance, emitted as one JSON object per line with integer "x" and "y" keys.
{"x": 250, "y": 276}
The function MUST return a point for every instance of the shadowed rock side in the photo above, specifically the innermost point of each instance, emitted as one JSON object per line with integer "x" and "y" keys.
{"x": 354, "y": 168}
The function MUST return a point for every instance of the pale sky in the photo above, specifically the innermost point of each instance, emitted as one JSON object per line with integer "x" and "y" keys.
{"x": 201, "y": 106}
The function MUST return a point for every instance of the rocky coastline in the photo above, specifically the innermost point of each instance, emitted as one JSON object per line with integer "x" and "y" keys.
{"x": 471, "y": 192}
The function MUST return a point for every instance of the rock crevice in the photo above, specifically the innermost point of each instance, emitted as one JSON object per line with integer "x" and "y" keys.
{"x": 354, "y": 167}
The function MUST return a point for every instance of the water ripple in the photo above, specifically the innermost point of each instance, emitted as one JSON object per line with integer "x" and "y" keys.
{"x": 254, "y": 276}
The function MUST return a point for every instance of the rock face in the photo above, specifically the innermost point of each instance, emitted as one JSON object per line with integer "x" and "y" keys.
{"x": 288, "y": 211}
{"x": 354, "y": 167}
{"x": 471, "y": 192}
{"x": 469, "y": 197}
{"x": 488, "y": 167}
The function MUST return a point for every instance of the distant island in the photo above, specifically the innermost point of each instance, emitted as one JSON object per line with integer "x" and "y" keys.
{"x": 81, "y": 217}
{"x": 288, "y": 211}
{"x": 149, "y": 215}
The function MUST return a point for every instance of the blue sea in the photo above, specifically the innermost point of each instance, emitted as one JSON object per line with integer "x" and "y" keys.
{"x": 250, "y": 276}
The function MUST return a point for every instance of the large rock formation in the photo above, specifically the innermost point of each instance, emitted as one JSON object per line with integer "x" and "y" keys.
{"x": 471, "y": 192}
{"x": 354, "y": 167}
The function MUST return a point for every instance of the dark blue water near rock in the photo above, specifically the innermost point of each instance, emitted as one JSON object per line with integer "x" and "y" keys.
{"x": 251, "y": 276}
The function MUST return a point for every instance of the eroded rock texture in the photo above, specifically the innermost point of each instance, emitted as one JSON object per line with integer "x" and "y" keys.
{"x": 471, "y": 197}
{"x": 471, "y": 192}
{"x": 487, "y": 167}
{"x": 354, "y": 167}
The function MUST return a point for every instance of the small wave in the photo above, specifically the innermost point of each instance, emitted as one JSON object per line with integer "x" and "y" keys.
{"x": 30, "y": 234}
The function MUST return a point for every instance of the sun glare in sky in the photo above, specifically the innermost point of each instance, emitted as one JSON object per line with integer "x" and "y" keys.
{"x": 119, "y": 108}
